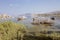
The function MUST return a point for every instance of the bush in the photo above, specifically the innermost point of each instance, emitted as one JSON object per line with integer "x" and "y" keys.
{"x": 10, "y": 30}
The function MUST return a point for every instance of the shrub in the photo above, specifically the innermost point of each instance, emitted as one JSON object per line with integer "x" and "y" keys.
{"x": 10, "y": 30}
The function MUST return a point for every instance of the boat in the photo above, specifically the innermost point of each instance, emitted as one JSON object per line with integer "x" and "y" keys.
{"x": 21, "y": 18}
{"x": 43, "y": 20}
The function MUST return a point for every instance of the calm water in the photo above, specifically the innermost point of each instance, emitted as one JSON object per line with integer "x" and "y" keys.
{"x": 27, "y": 22}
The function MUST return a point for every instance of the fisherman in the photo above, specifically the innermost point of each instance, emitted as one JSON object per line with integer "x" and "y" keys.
{"x": 53, "y": 18}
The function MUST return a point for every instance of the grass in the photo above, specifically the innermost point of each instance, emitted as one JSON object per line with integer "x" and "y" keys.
{"x": 14, "y": 31}
{"x": 10, "y": 30}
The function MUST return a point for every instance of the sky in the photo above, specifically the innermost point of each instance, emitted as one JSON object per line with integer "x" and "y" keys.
{"x": 16, "y": 7}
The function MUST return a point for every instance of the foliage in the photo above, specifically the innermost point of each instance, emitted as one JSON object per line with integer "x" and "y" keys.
{"x": 10, "y": 30}
{"x": 14, "y": 31}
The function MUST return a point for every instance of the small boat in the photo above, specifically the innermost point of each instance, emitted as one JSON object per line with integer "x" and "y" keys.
{"x": 43, "y": 20}
{"x": 21, "y": 18}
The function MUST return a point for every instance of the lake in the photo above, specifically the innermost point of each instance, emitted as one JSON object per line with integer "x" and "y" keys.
{"x": 28, "y": 21}
{"x": 31, "y": 27}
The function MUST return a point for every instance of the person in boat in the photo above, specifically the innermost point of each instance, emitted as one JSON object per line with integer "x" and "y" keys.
{"x": 43, "y": 20}
{"x": 48, "y": 21}
{"x": 53, "y": 18}
{"x": 21, "y": 18}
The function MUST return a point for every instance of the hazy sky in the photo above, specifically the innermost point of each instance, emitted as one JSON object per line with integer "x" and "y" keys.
{"x": 14, "y": 7}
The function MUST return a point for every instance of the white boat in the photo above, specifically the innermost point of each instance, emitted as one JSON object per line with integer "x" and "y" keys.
{"x": 43, "y": 20}
{"x": 21, "y": 18}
